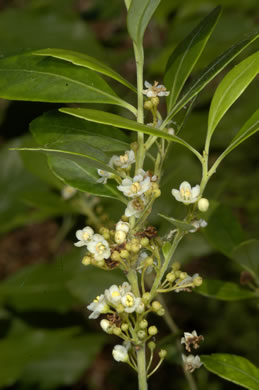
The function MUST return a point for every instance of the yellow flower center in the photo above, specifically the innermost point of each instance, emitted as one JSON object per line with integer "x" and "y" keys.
{"x": 96, "y": 300}
{"x": 129, "y": 300}
{"x": 100, "y": 248}
{"x": 186, "y": 194}
{"x": 124, "y": 158}
{"x": 135, "y": 187}
{"x": 86, "y": 236}
{"x": 115, "y": 294}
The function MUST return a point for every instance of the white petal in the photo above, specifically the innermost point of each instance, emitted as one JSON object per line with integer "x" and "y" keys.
{"x": 185, "y": 186}
{"x": 147, "y": 84}
{"x": 196, "y": 191}
{"x": 79, "y": 244}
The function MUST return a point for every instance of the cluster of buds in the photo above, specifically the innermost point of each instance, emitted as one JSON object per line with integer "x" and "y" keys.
{"x": 177, "y": 280}
{"x": 191, "y": 362}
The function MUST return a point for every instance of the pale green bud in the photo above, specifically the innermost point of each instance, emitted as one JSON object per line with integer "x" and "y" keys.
{"x": 151, "y": 345}
{"x": 141, "y": 334}
{"x": 116, "y": 331}
{"x": 148, "y": 261}
{"x": 156, "y": 305}
{"x": 203, "y": 205}
{"x": 143, "y": 324}
{"x": 146, "y": 297}
{"x": 115, "y": 256}
{"x": 86, "y": 260}
{"x": 162, "y": 353}
{"x": 144, "y": 241}
{"x": 124, "y": 253}
{"x": 161, "y": 312}
{"x": 148, "y": 105}
{"x": 170, "y": 277}
{"x": 124, "y": 327}
{"x": 183, "y": 275}
{"x": 152, "y": 330}
{"x": 197, "y": 281}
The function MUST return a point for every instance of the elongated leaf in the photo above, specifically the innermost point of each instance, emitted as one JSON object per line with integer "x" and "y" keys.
{"x": 186, "y": 54}
{"x": 179, "y": 224}
{"x": 225, "y": 291}
{"x": 124, "y": 123}
{"x": 230, "y": 88}
{"x": 249, "y": 128}
{"x": 139, "y": 15}
{"x": 233, "y": 368}
{"x": 246, "y": 254}
{"x": 212, "y": 70}
{"x": 35, "y": 78}
{"x": 85, "y": 61}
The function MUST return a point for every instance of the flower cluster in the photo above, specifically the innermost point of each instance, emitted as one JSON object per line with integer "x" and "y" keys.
{"x": 154, "y": 90}
{"x": 191, "y": 362}
{"x": 96, "y": 244}
{"x": 177, "y": 280}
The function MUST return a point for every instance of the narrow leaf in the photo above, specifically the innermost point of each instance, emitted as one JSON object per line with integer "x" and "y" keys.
{"x": 124, "y": 123}
{"x": 166, "y": 248}
{"x": 139, "y": 15}
{"x": 179, "y": 224}
{"x": 212, "y": 70}
{"x": 233, "y": 368}
{"x": 186, "y": 54}
{"x": 225, "y": 291}
{"x": 85, "y": 61}
{"x": 36, "y": 78}
{"x": 230, "y": 88}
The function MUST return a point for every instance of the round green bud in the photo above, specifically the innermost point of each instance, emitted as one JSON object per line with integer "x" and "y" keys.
{"x": 152, "y": 330}
{"x": 86, "y": 260}
{"x": 103, "y": 230}
{"x": 143, "y": 324}
{"x": 116, "y": 331}
{"x": 161, "y": 312}
{"x": 178, "y": 273}
{"x": 128, "y": 246}
{"x": 203, "y": 205}
{"x": 148, "y": 261}
{"x": 124, "y": 327}
{"x": 141, "y": 334}
{"x": 120, "y": 308}
{"x": 135, "y": 248}
{"x": 124, "y": 253}
{"x": 151, "y": 345}
{"x": 155, "y": 101}
{"x": 115, "y": 256}
{"x": 124, "y": 218}
{"x": 156, "y": 305}
{"x": 197, "y": 281}
{"x": 148, "y": 105}
{"x": 156, "y": 193}
{"x": 106, "y": 235}
{"x": 176, "y": 266}
{"x": 183, "y": 275}
{"x": 170, "y": 277}
{"x": 162, "y": 353}
{"x": 144, "y": 241}
{"x": 146, "y": 297}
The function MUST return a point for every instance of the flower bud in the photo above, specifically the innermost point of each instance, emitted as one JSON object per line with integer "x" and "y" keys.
{"x": 162, "y": 353}
{"x": 124, "y": 218}
{"x": 105, "y": 325}
{"x": 135, "y": 248}
{"x": 119, "y": 237}
{"x": 116, "y": 331}
{"x": 152, "y": 330}
{"x": 124, "y": 253}
{"x": 146, "y": 297}
{"x": 183, "y": 275}
{"x": 143, "y": 324}
{"x": 197, "y": 281}
{"x": 148, "y": 261}
{"x": 156, "y": 193}
{"x": 144, "y": 241}
{"x": 156, "y": 305}
{"x": 115, "y": 256}
{"x": 148, "y": 105}
{"x": 141, "y": 334}
{"x": 161, "y": 312}
{"x": 86, "y": 260}
{"x": 170, "y": 277}
{"x": 151, "y": 345}
{"x": 203, "y": 205}
{"x": 120, "y": 308}
{"x": 120, "y": 353}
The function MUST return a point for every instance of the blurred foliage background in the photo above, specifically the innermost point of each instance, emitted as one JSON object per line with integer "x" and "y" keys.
{"x": 46, "y": 340}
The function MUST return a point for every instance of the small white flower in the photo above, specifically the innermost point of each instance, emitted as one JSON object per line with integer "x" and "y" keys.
{"x": 84, "y": 236}
{"x": 68, "y": 192}
{"x": 119, "y": 237}
{"x": 104, "y": 176}
{"x": 120, "y": 353}
{"x": 130, "y": 302}
{"x": 99, "y": 247}
{"x": 171, "y": 131}
{"x": 191, "y": 362}
{"x": 136, "y": 186}
{"x": 186, "y": 193}
{"x": 98, "y": 306}
{"x": 191, "y": 339}
{"x": 135, "y": 207}
{"x": 123, "y": 161}
{"x": 123, "y": 226}
{"x": 185, "y": 283}
{"x": 140, "y": 308}
{"x": 105, "y": 325}
{"x": 113, "y": 295}
{"x": 155, "y": 90}
{"x": 125, "y": 288}
{"x": 198, "y": 224}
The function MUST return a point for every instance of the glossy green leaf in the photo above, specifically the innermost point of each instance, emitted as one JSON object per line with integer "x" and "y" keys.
{"x": 246, "y": 254}
{"x": 212, "y": 70}
{"x": 139, "y": 15}
{"x": 124, "y": 123}
{"x": 230, "y": 88}
{"x": 224, "y": 231}
{"x": 225, "y": 291}
{"x": 36, "y": 78}
{"x": 85, "y": 61}
{"x": 186, "y": 54}
{"x": 178, "y": 224}
{"x": 233, "y": 368}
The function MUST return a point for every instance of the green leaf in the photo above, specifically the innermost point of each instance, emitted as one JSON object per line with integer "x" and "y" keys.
{"x": 85, "y": 61}
{"x": 225, "y": 291}
{"x": 230, "y": 88}
{"x": 212, "y": 70}
{"x": 233, "y": 368}
{"x": 36, "y": 78}
{"x": 106, "y": 118}
{"x": 246, "y": 254}
{"x": 166, "y": 248}
{"x": 139, "y": 15}
{"x": 223, "y": 231}
{"x": 186, "y": 54}
{"x": 179, "y": 224}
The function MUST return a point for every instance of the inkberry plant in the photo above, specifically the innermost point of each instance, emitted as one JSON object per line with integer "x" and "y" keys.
{"x": 88, "y": 152}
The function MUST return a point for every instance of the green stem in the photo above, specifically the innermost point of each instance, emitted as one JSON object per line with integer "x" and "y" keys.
{"x": 142, "y": 373}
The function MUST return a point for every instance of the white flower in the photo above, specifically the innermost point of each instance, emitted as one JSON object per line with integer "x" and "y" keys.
{"x": 84, "y": 236}
{"x": 140, "y": 308}
{"x": 125, "y": 288}
{"x": 120, "y": 353}
{"x": 171, "y": 131}
{"x": 130, "y": 302}
{"x": 186, "y": 193}
{"x": 136, "y": 186}
{"x": 99, "y": 247}
{"x": 68, "y": 192}
{"x": 154, "y": 90}
{"x": 123, "y": 161}
{"x": 104, "y": 176}
{"x": 135, "y": 207}
{"x": 115, "y": 293}
{"x": 198, "y": 224}
{"x": 191, "y": 339}
{"x": 191, "y": 362}
{"x": 98, "y": 306}
{"x": 122, "y": 226}
{"x": 119, "y": 237}
{"x": 105, "y": 325}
